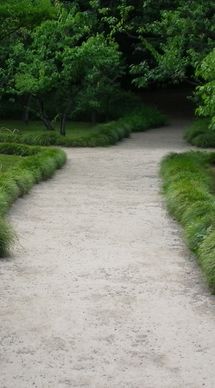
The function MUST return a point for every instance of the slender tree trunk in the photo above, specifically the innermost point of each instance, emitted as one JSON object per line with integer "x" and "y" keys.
{"x": 44, "y": 116}
{"x": 63, "y": 124}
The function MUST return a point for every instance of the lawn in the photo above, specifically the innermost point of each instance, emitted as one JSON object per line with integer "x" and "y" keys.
{"x": 80, "y": 134}
{"x": 73, "y": 128}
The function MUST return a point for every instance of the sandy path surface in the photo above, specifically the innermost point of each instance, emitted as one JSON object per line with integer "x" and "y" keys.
{"x": 101, "y": 291}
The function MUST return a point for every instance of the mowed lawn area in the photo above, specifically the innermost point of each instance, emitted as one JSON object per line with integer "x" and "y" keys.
{"x": 77, "y": 134}
{"x": 73, "y": 128}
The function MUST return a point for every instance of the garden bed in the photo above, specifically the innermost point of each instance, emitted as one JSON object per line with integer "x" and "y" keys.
{"x": 22, "y": 167}
{"x": 200, "y": 135}
{"x": 188, "y": 185}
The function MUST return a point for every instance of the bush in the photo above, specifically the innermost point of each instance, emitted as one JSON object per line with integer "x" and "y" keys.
{"x": 37, "y": 164}
{"x": 200, "y": 135}
{"x": 188, "y": 184}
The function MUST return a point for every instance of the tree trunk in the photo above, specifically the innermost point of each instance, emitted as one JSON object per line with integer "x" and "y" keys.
{"x": 63, "y": 124}
{"x": 26, "y": 112}
{"x": 44, "y": 116}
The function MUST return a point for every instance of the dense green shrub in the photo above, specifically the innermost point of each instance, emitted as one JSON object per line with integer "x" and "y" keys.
{"x": 144, "y": 117}
{"x": 188, "y": 184}
{"x": 37, "y": 164}
{"x": 206, "y": 92}
{"x": 200, "y": 134}
{"x": 136, "y": 120}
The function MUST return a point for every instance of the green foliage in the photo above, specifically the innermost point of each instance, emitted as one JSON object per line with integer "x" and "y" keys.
{"x": 200, "y": 134}
{"x": 7, "y": 161}
{"x": 206, "y": 256}
{"x": 174, "y": 41}
{"x": 144, "y": 117}
{"x": 73, "y": 55}
{"x": 6, "y": 237}
{"x": 188, "y": 184}
{"x": 138, "y": 119}
{"x": 206, "y": 92}
{"x": 35, "y": 164}
{"x": 16, "y": 15}
{"x": 17, "y": 21}
{"x": 68, "y": 65}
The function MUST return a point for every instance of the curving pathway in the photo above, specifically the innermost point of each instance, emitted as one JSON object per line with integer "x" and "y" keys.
{"x": 101, "y": 291}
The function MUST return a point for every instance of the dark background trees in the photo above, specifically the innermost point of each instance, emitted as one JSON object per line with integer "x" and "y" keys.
{"x": 159, "y": 43}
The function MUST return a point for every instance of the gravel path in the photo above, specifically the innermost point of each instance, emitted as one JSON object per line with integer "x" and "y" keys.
{"x": 101, "y": 291}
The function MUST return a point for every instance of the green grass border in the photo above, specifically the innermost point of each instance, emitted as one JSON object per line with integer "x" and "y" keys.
{"x": 200, "y": 135}
{"x": 138, "y": 120}
{"x": 188, "y": 186}
{"x": 40, "y": 164}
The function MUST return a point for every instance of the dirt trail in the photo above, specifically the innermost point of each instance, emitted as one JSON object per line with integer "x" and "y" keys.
{"x": 101, "y": 291}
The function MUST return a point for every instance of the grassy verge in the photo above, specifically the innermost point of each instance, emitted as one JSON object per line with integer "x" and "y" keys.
{"x": 84, "y": 135}
{"x": 23, "y": 167}
{"x": 200, "y": 135}
{"x": 188, "y": 184}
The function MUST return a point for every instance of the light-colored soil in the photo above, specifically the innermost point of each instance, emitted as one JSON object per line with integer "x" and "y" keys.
{"x": 101, "y": 291}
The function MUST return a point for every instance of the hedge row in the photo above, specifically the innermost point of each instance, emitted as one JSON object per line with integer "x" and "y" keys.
{"x": 104, "y": 134}
{"x": 37, "y": 164}
{"x": 188, "y": 184}
{"x": 200, "y": 135}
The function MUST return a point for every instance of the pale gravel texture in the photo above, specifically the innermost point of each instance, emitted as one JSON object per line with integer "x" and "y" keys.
{"x": 101, "y": 291}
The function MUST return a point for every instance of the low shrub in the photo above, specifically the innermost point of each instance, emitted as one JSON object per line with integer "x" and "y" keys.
{"x": 143, "y": 118}
{"x": 138, "y": 119}
{"x": 200, "y": 135}
{"x": 37, "y": 164}
{"x": 188, "y": 185}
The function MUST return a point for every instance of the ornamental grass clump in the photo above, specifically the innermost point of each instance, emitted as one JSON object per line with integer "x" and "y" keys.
{"x": 188, "y": 186}
{"x": 35, "y": 164}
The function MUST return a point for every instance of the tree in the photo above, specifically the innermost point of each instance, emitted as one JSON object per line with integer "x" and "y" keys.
{"x": 17, "y": 21}
{"x": 175, "y": 42}
{"x": 206, "y": 92}
{"x": 102, "y": 74}
{"x": 15, "y": 15}
{"x": 63, "y": 63}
